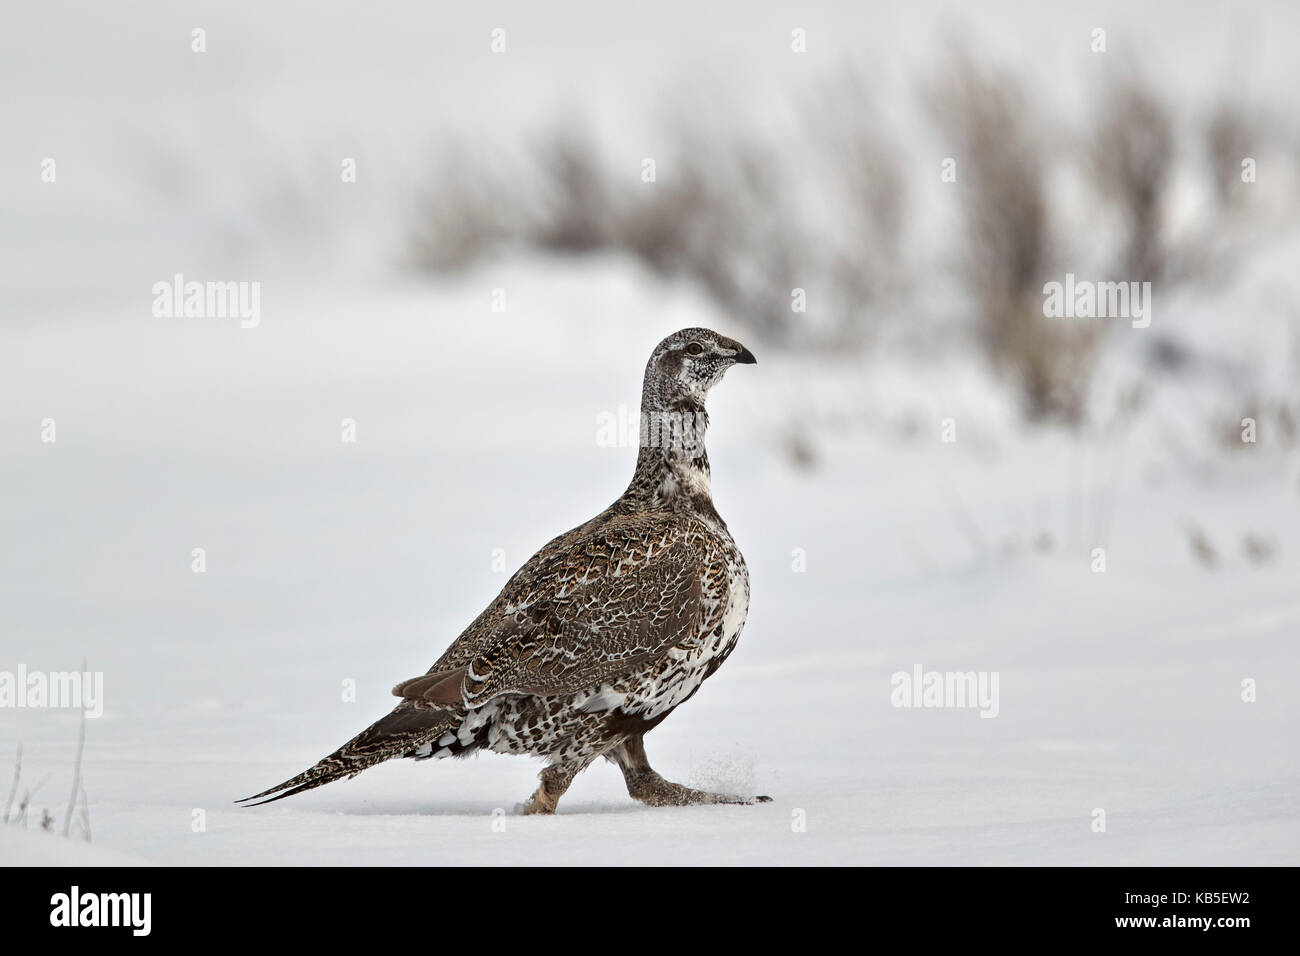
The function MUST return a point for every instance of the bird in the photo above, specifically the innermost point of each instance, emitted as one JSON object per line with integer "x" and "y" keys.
{"x": 603, "y": 633}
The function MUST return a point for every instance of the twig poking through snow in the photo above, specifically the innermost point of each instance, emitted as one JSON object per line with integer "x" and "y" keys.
{"x": 85, "y": 813}
{"x": 13, "y": 789}
{"x": 76, "y": 769}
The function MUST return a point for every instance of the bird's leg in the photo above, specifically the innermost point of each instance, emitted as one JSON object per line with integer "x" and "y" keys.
{"x": 647, "y": 786}
{"x": 555, "y": 781}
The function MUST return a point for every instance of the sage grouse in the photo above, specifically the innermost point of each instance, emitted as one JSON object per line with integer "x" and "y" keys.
{"x": 604, "y": 632}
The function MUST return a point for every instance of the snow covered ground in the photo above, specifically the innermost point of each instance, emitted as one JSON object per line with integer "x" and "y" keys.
{"x": 332, "y": 565}
{"x": 329, "y": 562}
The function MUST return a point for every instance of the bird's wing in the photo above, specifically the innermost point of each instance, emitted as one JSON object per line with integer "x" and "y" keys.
{"x": 590, "y": 612}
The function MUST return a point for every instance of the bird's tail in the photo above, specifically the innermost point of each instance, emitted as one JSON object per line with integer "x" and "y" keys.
{"x": 396, "y": 735}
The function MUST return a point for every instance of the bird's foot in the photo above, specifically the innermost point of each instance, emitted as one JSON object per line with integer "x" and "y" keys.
{"x": 555, "y": 781}
{"x": 653, "y": 790}
{"x": 537, "y": 804}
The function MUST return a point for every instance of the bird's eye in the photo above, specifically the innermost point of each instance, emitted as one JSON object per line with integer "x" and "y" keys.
{"x": 695, "y": 348}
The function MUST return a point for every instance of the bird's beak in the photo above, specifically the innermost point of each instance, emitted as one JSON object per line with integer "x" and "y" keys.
{"x": 746, "y": 357}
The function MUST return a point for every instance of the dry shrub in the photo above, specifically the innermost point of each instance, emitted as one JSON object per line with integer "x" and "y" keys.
{"x": 574, "y": 203}
{"x": 1230, "y": 132}
{"x": 719, "y": 221}
{"x": 467, "y": 211}
{"x": 733, "y": 212}
{"x": 1132, "y": 159}
{"x": 1009, "y": 251}
{"x": 749, "y": 213}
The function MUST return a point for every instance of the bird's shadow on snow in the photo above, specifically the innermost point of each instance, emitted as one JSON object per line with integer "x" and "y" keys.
{"x": 476, "y": 809}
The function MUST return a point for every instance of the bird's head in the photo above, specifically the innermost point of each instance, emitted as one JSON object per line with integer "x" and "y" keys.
{"x": 690, "y": 362}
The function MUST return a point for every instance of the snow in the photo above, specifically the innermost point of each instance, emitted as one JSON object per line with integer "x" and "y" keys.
{"x": 329, "y": 562}
{"x": 333, "y": 565}
{"x": 22, "y": 847}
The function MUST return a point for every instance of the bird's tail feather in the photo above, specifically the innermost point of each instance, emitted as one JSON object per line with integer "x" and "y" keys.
{"x": 396, "y": 735}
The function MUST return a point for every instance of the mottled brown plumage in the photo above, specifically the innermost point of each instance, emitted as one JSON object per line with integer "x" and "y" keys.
{"x": 604, "y": 631}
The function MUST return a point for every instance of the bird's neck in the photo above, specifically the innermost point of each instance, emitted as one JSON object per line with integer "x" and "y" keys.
{"x": 672, "y": 465}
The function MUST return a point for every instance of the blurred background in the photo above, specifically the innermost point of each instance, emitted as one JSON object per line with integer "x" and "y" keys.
{"x": 470, "y": 223}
